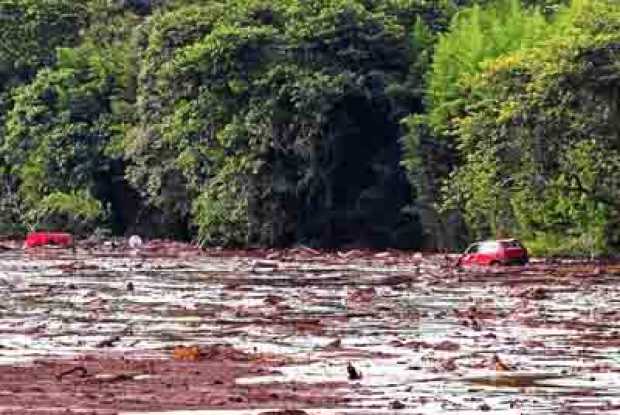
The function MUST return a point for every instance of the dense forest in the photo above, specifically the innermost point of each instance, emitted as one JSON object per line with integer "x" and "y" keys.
{"x": 330, "y": 123}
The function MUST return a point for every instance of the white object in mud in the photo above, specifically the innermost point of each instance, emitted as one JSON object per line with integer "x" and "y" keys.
{"x": 135, "y": 242}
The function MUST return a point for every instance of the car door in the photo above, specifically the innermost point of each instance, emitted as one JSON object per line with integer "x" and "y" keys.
{"x": 469, "y": 256}
{"x": 487, "y": 253}
{"x": 514, "y": 251}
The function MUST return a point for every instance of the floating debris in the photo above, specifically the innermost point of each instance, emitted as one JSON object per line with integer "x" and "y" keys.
{"x": 354, "y": 374}
{"x": 426, "y": 335}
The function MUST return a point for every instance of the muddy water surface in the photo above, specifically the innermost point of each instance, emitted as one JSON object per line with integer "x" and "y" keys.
{"x": 427, "y": 338}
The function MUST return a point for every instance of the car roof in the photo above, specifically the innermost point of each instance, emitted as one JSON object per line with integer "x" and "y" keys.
{"x": 494, "y": 241}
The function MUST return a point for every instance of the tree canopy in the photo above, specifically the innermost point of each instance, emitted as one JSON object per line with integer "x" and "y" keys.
{"x": 399, "y": 123}
{"x": 524, "y": 104}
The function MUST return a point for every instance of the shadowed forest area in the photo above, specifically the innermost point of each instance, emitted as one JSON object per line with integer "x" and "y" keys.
{"x": 329, "y": 123}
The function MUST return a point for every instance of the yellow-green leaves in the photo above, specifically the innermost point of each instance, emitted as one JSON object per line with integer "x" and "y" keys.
{"x": 538, "y": 138}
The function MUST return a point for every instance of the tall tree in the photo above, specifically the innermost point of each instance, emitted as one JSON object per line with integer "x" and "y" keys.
{"x": 477, "y": 35}
{"x": 539, "y": 138}
{"x": 284, "y": 114}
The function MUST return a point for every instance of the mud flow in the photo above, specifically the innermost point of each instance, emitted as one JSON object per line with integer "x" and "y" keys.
{"x": 356, "y": 332}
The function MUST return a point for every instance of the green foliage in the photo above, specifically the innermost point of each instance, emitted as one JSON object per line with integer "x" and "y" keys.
{"x": 11, "y": 214}
{"x": 476, "y": 36}
{"x": 520, "y": 135}
{"x": 77, "y": 212}
{"x": 540, "y": 145}
{"x": 271, "y": 97}
{"x": 280, "y": 122}
{"x": 60, "y": 125}
{"x": 221, "y": 210}
{"x": 30, "y": 30}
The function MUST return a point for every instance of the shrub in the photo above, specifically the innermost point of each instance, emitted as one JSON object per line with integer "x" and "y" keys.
{"x": 77, "y": 212}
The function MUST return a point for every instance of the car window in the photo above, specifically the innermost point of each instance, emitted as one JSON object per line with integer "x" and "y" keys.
{"x": 488, "y": 247}
{"x": 512, "y": 244}
{"x": 472, "y": 249}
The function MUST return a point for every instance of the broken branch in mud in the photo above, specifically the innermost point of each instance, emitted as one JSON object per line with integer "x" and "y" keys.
{"x": 108, "y": 342}
{"x": 115, "y": 377}
{"x": 354, "y": 373}
{"x": 81, "y": 369}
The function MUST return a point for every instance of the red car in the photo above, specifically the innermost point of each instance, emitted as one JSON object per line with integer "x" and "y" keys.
{"x": 35, "y": 239}
{"x": 502, "y": 251}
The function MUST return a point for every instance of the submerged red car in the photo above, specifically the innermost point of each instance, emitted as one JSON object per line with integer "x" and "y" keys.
{"x": 35, "y": 239}
{"x": 498, "y": 252}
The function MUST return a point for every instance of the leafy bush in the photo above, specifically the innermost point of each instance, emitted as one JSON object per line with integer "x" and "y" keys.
{"x": 30, "y": 30}
{"x": 11, "y": 214}
{"x": 77, "y": 212}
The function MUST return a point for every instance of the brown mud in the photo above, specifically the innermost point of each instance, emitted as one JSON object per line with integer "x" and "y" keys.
{"x": 120, "y": 383}
{"x": 172, "y": 327}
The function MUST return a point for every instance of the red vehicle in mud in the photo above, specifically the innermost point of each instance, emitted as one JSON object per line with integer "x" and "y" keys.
{"x": 499, "y": 252}
{"x": 34, "y": 239}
